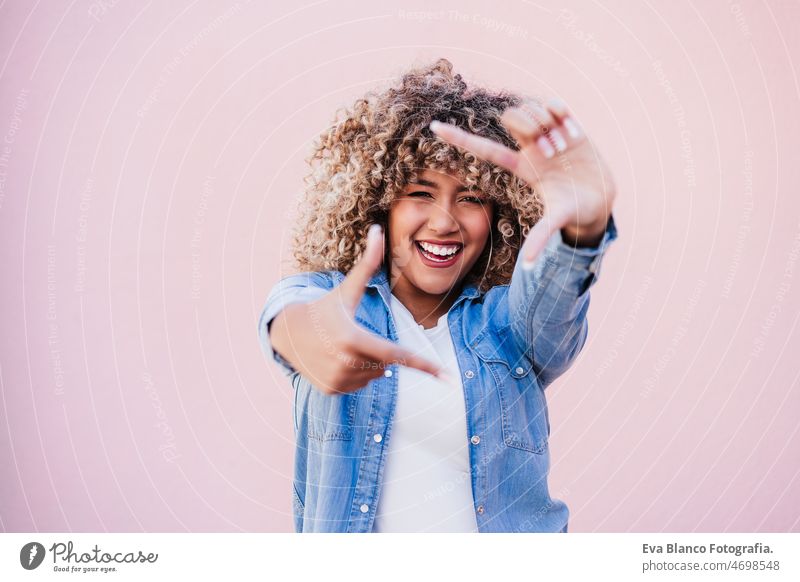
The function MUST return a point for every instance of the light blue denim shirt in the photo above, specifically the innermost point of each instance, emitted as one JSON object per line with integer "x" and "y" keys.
{"x": 511, "y": 342}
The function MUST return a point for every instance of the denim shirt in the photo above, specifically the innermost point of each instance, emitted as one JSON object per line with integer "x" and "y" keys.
{"x": 511, "y": 342}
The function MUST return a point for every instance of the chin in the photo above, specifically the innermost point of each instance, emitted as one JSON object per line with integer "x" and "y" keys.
{"x": 435, "y": 289}
{"x": 437, "y": 285}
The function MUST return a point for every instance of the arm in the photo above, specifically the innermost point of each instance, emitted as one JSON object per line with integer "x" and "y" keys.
{"x": 548, "y": 303}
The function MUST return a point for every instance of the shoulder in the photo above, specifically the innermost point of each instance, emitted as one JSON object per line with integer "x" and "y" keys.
{"x": 321, "y": 279}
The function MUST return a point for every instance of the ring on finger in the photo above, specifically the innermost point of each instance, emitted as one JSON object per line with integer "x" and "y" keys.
{"x": 538, "y": 117}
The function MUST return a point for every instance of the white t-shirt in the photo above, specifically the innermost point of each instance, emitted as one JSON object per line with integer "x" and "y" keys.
{"x": 426, "y": 482}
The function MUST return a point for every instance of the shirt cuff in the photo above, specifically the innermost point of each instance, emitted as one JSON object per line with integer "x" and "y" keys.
{"x": 584, "y": 256}
{"x": 286, "y": 292}
{"x": 576, "y": 268}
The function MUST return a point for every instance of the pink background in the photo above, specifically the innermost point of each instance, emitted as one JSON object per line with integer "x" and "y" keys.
{"x": 150, "y": 154}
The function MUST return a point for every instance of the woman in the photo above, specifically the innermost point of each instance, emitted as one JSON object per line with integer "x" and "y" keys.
{"x": 446, "y": 246}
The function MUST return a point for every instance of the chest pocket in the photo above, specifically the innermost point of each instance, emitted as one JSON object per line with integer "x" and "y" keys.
{"x": 327, "y": 417}
{"x": 525, "y": 420}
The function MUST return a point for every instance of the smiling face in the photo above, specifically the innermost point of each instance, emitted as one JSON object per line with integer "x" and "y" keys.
{"x": 437, "y": 232}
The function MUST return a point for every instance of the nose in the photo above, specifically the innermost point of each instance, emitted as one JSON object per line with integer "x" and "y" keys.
{"x": 441, "y": 219}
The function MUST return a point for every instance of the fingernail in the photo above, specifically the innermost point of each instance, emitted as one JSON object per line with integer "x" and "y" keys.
{"x": 434, "y": 125}
{"x": 572, "y": 128}
{"x": 527, "y": 265}
{"x": 546, "y": 147}
{"x": 558, "y": 139}
{"x": 374, "y": 231}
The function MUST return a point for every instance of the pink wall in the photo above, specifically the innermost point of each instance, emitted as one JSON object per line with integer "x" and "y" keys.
{"x": 150, "y": 155}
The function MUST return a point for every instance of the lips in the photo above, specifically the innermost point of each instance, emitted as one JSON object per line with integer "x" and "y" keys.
{"x": 436, "y": 261}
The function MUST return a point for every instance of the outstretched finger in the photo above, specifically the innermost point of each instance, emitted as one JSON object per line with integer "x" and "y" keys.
{"x": 376, "y": 348}
{"x": 482, "y": 147}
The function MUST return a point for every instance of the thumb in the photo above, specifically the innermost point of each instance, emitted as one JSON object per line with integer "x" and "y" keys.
{"x": 353, "y": 286}
{"x": 557, "y": 215}
{"x": 537, "y": 239}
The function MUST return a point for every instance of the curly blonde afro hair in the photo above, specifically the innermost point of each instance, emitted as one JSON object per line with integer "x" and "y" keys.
{"x": 375, "y": 148}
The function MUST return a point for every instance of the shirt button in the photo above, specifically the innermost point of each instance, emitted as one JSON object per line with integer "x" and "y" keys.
{"x": 364, "y": 508}
{"x": 469, "y": 373}
{"x": 480, "y": 509}
{"x": 388, "y": 373}
{"x": 520, "y": 370}
{"x": 377, "y": 438}
{"x": 475, "y": 439}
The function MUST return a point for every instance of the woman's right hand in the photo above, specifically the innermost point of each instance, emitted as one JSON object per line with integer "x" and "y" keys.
{"x": 322, "y": 340}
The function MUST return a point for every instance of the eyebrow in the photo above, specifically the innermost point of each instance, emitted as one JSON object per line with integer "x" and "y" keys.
{"x": 429, "y": 184}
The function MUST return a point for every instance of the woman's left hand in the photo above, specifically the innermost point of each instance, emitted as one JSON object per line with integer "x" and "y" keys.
{"x": 558, "y": 161}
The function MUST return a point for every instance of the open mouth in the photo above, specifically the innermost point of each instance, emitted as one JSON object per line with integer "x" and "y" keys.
{"x": 438, "y": 255}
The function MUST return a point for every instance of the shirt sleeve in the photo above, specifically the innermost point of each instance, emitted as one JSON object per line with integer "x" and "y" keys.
{"x": 300, "y": 288}
{"x": 548, "y": 303}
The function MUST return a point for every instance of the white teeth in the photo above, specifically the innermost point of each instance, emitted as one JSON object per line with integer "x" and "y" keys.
{"x": 439, "y": 250}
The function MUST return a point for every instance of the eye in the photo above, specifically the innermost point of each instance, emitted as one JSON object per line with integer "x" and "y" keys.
{"x": 475, "y": 199}
{"x": 419, "y": 194}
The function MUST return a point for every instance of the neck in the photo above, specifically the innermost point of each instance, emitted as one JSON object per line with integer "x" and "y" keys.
{"x": 426, "y": 308}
